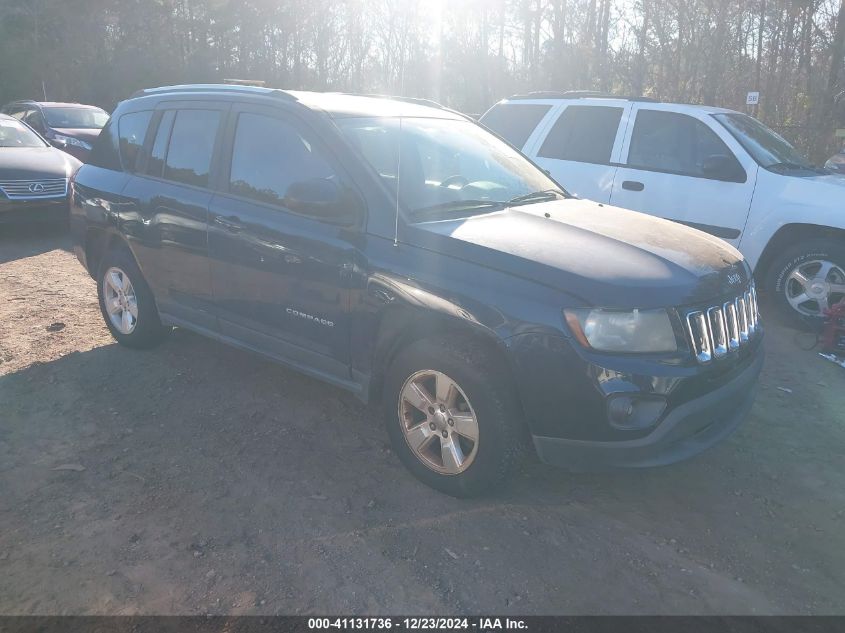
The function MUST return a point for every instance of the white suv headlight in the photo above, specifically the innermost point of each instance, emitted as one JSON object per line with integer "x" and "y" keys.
{"x": 622, "y": 331}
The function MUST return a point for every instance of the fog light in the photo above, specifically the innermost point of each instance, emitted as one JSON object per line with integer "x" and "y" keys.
{"x": 634, "y": 412}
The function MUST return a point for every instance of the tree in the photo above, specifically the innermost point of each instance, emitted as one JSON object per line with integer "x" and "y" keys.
{"x": 467, "y": 53}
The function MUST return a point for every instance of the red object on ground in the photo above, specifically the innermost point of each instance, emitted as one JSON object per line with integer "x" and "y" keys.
{"x": 833, "y": 331}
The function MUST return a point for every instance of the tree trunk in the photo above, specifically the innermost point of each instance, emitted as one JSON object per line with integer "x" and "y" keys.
{"x": 827, "y": 121}
{"x": 837, "y": 52}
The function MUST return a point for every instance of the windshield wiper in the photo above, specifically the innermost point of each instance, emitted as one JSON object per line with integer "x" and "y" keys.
{"x": 797, "y": 166}
{"x": 462, "y": 206}
{"x": 788, "y": 165}
{"x": 535, "y": 196}
{"x": 457, "y": 206}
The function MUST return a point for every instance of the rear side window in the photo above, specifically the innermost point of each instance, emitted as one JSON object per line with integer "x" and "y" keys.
{"x": 132, "y": 128}
{"x": 584, "y": 134}
{"x": 514, "y": 122}
{"x": 19, "y": 112}
{"x": 191, "y": 147}
{"x": 269, "y": 155}
{"x": 673, "y": 143}
{"x": 104, "y": 153}
{"x": 34, "y": 120}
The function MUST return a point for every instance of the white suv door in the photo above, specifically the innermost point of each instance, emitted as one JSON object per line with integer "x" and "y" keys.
{"x": 579, "y": 145}
{"x": 684, "y": 167}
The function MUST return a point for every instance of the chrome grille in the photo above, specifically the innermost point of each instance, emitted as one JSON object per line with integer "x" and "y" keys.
{"x": 719, "y": 330}
{"x": 34, "y": 189}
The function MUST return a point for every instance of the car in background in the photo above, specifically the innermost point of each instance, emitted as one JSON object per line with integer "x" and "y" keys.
{"x": 71, "y": 127}
{"x": 33, "y": 175}
{"x": 713, "y": 169}
{"x": 836, "y": 163}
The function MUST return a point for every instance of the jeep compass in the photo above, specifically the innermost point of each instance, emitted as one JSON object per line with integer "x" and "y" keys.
{"x": 399, "y": 250}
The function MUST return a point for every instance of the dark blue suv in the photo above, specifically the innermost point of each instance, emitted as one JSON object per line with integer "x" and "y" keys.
{"x": 400, "y": 250}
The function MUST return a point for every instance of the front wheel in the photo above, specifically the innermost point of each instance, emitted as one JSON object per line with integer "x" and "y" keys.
{"x": 452, "y": 415}
{"x": 127, "y": 303}
{"x": 807, "y": 278}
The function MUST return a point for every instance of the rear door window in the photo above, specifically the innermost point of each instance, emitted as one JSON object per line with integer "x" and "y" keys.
{"x": 132, "y": 129}
{"x": 191, "y": 147}
{"x": 155, "y": 165}
{"x": 584, "y": 134}
{"x": 515, "y": 122}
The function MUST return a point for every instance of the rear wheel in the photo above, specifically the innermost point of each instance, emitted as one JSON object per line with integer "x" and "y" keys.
{"x": 452, "y": 415}
{"x": 126, "y": 302}
{"x": 807, "y": 278}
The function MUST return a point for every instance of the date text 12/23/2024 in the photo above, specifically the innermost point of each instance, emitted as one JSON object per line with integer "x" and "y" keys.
{"x": 481, "y": 624}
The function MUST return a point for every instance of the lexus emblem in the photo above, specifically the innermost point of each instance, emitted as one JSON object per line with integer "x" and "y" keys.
{"x": 36, "y": 187}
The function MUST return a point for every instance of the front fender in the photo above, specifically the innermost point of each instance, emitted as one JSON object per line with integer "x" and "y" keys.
{"x": 780, "y": 201}
{"x": 408, "y": 293}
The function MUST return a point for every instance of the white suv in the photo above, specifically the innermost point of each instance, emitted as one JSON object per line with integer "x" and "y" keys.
{"x": 717, "y": 170}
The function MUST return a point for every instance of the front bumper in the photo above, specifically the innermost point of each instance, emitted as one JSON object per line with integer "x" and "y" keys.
{"x": 687, "y": 430}
{"x": 53, "y": 210}
{"x": 568, "y": 397}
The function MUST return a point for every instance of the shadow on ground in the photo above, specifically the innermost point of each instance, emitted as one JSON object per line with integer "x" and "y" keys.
{"x": 27, "y": 240}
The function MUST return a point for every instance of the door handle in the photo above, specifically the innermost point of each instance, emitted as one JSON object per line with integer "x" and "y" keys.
{"x": 231, "y": 223}
{"x": 632, "y": 185}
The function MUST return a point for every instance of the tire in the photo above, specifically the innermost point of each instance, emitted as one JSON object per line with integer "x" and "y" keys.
{"x": 483, "y": 391}
{"x": 808, "y": 260}
{"x": 143, "y": 329}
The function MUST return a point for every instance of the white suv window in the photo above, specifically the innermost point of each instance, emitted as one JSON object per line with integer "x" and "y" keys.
{"x": 584, "y": 134}
{"x": 515, "y": 122}
{"x": 673, "y": 143}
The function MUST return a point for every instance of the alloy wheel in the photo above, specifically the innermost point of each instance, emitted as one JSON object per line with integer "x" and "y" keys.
{"x": 120, "y": 300}
{"x": 438, "y": 422}
{"x": 813, "y": 286}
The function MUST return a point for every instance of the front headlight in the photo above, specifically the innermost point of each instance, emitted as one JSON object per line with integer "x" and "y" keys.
{"x": 69, "y": 140}
{"x": 622, "y": 331}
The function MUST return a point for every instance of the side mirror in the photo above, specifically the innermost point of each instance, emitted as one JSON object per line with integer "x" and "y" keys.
{"x": 323, "y": 199}
{"x": 723, "y": 167}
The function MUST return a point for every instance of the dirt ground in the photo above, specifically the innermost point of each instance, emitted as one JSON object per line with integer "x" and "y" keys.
{"x": 196, "y": 479}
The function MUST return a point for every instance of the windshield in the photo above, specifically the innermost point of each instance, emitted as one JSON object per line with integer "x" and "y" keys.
{"x": 447, "y": 165}
{"x": 71, "y": 117}
{"x": 766, "y": 146}
{"x": 16, "y": 134}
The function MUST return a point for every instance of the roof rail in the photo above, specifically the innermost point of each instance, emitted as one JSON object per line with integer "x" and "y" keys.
{"x": 415, "y": 100}
{"x": 245, "y": 82}
{"x": 577, "y": 94}
{"x": 225, "y": 88}
{"x": 421, "y": 101}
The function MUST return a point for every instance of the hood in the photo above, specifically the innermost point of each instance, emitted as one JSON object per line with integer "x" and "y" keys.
{"x": 600, "y": 255}
{"x": 83, "y": 134}
{"x": 833, "y": 180}
{"x": 31, "y": 163}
